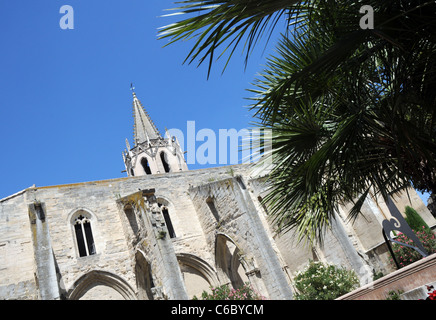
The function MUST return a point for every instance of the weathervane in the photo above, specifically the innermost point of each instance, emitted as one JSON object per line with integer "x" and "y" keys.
{"x": 132, "y": 87}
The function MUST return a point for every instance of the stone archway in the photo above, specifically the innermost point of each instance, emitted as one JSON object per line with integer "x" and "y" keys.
{"x": 198, "y": 275}
{"x": 229, "y": 262}
{"x": 101, "y": 285}
{"x": 144, "y": 279}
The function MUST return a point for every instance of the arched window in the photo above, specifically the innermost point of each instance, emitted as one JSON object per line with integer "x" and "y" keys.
{"x": 131, "y": 217}
{"x": 163, "y": 157}
{"x": 84, "y": 237}
{"x": 168, "y": 222}
{"x": 145, "y": 165}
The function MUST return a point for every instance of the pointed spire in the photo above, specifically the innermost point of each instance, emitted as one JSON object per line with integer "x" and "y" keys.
{"x": 144, "y": 128}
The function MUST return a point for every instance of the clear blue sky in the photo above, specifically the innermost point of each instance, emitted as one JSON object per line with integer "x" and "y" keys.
{"x": 66, "y": 107}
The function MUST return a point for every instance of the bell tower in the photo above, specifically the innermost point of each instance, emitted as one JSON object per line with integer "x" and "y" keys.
{"x": 151, "y": 153}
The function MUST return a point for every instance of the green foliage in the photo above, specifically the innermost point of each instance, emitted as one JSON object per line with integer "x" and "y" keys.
{"x": 394, "y": 295}
{"x": 246, "y": 292}
{"x": 335, "y": 98}
{"x": 320, "y": 281}
{"x": 406, "y": 255}
{"x": 377, "y": 275}
{"x": 161, "y": 235}
{"x": 414, "y": 220}
{"x": 351, "y": 110}
{"x": 224, "y": 24}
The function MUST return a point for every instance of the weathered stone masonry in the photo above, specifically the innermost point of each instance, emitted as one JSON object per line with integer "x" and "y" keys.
{"x": 165, "y": 232}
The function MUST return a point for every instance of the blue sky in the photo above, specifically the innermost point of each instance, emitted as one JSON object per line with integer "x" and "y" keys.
{"x": 66, "y": 107}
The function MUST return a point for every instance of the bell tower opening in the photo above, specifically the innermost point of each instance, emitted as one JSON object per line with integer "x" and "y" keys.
{"x": 163, "y": 157}
{"x": 145, "y": 166}
{"x": 152, "y": 153}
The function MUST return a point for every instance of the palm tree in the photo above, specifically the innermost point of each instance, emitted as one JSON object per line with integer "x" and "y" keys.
{"x": 352, "y": 110}
{"x": 227, "y": 23}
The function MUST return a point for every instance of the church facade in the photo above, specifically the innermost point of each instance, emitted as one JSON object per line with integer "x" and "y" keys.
{"x": 165, "y": 232}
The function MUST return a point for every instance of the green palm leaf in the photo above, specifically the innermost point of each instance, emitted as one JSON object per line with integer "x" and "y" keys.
{"x": 226, "y": 23}
{"x": 352, "y": 111}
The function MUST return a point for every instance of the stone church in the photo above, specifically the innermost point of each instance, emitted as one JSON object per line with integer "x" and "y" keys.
{"x": 165, "y": 232}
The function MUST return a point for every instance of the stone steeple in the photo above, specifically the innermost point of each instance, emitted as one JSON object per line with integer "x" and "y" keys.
{"x": 151, "y": 154}
{"x": 144, "y": 128}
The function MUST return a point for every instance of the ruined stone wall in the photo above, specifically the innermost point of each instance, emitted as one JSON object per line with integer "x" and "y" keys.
{"x": 17, "y": 277}
{"x": 113, "y": 264}
{"x": 237, "y": 220}
{"x": 223, "y": 235}
{"x": 295, "y": 254}
{"x": 98, "y": 200}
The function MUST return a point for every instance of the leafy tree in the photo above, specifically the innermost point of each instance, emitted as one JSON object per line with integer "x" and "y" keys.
{"x": 352, "y": 110}
{"x": 319, "y": 281}
{"x": 414, "y": 220}
{"x": 223, "y": 292}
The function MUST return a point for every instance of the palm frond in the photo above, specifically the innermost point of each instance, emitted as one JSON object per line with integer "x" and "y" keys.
{"x": 225, "y": 24}
{"x": 352, "y": 111}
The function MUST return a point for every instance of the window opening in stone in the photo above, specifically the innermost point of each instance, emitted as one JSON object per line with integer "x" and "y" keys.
{"x": 164, "y": 159}
{"x": 131, "y": 217}
{"x": 145, "y": 165}
{"x": 80, "y": 240}
{"x": 168, "y": 222}
{"x": 89, "y": 237}
{"x": 213, "y": 209}
{"x": 39, "y": 211}
{"x": 84, "y": 237}
{"x": 241, "y": 183}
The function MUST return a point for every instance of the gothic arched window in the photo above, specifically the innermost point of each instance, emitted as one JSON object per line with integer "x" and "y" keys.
{"x": 163, "y": 157}
{"x": 84, "y": 237}
{"x": 145, "y": 165}
{"x": 167, "y": 219}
